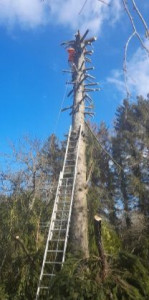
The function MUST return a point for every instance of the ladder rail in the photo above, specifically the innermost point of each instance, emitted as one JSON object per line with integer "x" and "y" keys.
{"x": 66, "y": 152}
{"x": 49, "y": 236}
{"x": 72, "y": 196}
{"x": 59, "y": 231}
{"x": 50, "y": 233}
{"x": 65, "y": 190}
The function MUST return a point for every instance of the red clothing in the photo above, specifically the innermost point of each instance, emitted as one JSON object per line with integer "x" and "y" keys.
{"x": 71, "y": 52}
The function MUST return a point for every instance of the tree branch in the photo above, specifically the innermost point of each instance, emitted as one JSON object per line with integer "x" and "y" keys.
{"x": 140, "y": 15}
{"x": 17, "y": 239}
{"x": 134, "y": 33}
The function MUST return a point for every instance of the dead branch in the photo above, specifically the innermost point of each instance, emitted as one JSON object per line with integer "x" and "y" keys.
{"x": 134, "y": 27}
{"x": 125, "y": 70}
{"x": 140, "y": 16}
{"x": 104, "y": 2}
{"x": 20, "y": 242}
{"x": 133, "y": 34}
{"x": 3, "y": 261}
{"x": 90, "y": 173}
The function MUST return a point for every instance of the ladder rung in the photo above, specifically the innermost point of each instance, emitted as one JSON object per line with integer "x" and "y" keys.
{"x": 66, "y": 191}
{"x": 59, "y": 251}
{"x": 63, "y": 220}
{"x": 53, "y": 262}
{"x": 61, "y": 210}
{"x": 72, "y": 145}
{"x": 70, "y": 159}
{"x": 67, "y": 178}
{"x": 57, "y": 240}
{"x": 65, "y": 194}
{"x": 70, "y": 178}
{"x": 69, "y": 166}
{"x": 63, "y": 202}
{"x": 48, "y": 274}
{"x": 58, "y": 229}
{"x": 63, "y": 185}
{"x": 62, "y": 196}
{"x": 67, "y": 173}
{"x": 71, "y": 153}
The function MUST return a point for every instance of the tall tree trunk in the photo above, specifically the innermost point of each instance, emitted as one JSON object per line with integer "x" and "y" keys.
{"x": 79, "y": 227}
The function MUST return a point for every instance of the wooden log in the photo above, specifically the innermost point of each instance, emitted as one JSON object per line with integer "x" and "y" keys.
{"x": 97, "y": 230}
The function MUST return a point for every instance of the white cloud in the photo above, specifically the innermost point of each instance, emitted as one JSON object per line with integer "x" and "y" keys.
{"x": 32, "y": 13}
{"x": 27, "y": 13}
{"x": 92, "y": 16}
{"x": 137, "y": 74}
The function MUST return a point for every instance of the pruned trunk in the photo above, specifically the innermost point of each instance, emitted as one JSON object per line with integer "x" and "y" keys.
{"x": 79, "y": 228}
{"x": 79, "y": 221}
{"x": 97, "y": 228}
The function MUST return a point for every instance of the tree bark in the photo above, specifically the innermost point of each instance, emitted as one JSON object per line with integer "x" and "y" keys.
{"x": 79, "y": 221}
{"x": 97, "y": 228}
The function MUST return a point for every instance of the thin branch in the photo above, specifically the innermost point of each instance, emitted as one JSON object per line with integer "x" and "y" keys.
{"x": 134, "y": 27}
{"x": 21, "y": 243}
{"x": 104, "y": 2}
{"x": 90, "y": 173}
{"x": 3, "y": 261}
{"x": 125, "y": 70}
{"x": 134, "y": 33}
{"x": 140, "y": 15}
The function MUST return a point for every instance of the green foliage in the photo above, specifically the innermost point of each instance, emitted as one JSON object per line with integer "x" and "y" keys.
{"x": 22, "y": 239}
{"x": 111, "y": 241}
{"x": 80, "y": 279}
{"x": 136, "y": 274}
{"x": 21, "y": 249}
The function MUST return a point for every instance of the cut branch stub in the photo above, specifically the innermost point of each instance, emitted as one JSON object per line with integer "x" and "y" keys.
{"x": 97, "y": 229}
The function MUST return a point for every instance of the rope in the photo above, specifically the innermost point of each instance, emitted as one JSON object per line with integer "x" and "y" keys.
{"x": 99, "y": 144}
{"x": 82, "y": 7}
{"x": 59, "y": 113}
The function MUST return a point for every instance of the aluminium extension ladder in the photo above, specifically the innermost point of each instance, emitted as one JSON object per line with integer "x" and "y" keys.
{"x": 55, "y": 250}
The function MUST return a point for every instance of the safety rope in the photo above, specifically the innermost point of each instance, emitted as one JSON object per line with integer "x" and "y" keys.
{"x": 61, "y": 106}
{"x": 99, "y": 144}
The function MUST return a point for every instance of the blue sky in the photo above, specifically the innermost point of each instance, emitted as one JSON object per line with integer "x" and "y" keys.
{"x": 32, "y": 85}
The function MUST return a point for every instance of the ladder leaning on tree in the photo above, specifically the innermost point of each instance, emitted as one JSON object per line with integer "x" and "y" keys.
{"x": 55, "y": 250}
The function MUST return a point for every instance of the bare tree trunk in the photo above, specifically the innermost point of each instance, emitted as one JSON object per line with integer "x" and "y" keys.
{"x": 79, "y": 228}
